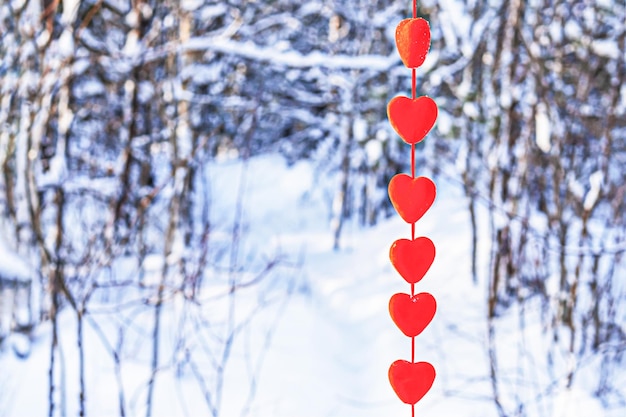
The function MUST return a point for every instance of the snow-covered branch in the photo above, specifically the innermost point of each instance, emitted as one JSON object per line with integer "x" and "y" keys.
{"x": 290, "y": 58}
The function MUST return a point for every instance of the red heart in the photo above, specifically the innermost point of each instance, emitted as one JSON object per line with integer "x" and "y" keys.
{"x": 411, "y": 381}
{"x": 411, "y": 197}
{"x": 412, "y": 119}
{"x": 412, "y": 258}
{"x": 412, "y": 314}
{"x": 413, "y": 41}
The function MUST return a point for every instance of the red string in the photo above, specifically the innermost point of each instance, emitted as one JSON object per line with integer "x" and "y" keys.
{"x": 412, "y": 160}
{"x": 413, "y": 96}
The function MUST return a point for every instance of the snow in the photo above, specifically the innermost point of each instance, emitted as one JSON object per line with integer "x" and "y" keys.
{"x": 542, "y": 128}
{"x": 212, "y": 11}
{"x": 572, "y": 30}
{"x": 332, "y": 339}
{"x": 315, "y": 335}
{"x": 607, "y": 48}
{"x": 203, "y": 74}
{"x": 359, "y": 129}
{"x": 13, "y": 266}
{"x": 70, "y": 10}
{"x": 444, "y": 123}
{"x": 606, "y": 4}
{"x": 290, "y": 58}
{"x": 132, "y": 48}
{"x": 89, "y": 88}
{"x": 569, "y": 402}
{"x": 191, "y": 5}
{"x": 132, "y": 18}
{"x": 80, "y": 66}
{"x": 374, "y": 151}
{"x": 575, "y": 187}
{"x": 595, "y": 182}
{"x": 145, "y": 93}
{"x": 471, "y": 110}
{"x": 556, "y": 32}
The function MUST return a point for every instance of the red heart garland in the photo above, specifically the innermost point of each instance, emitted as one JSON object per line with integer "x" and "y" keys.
{"x": 412, "y": 119}
{"x": 411, "y": 197}
{"x": 411, "y": 381}
{"x": 413, "y": 41}
{"x": 412, "y": 258}
{"x": 412, "y": 314}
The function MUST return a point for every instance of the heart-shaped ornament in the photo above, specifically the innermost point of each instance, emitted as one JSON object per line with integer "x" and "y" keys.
{"x": 412, "y": 119}
{"x": 412, "y": 258}
{"x": 412, "y": 314}
{"x": 411, "y": 197}
{"x": 413, "y": 41}
{"x": 411, "y": 381}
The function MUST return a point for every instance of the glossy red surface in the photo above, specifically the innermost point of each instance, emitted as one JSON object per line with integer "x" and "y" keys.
{"x": 411, "y": 381}
{"x": 412, "y": 258}
{"x": 412, "y": 313}
{"x": 413, "y": 41}
{"x": 411, "y": 197}
{"x": 412, "y": 119}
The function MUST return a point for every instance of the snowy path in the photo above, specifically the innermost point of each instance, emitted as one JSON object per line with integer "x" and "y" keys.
{"x": 334, "y": 342}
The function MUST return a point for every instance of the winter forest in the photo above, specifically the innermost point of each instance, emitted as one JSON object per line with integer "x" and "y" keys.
{"x": 195, "y": 220}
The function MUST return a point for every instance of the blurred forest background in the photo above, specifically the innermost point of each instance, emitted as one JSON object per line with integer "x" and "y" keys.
{"x": 112, "y": 110}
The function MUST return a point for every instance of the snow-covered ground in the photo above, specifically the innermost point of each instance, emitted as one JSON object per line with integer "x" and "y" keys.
{"x": 332, "y": 340}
